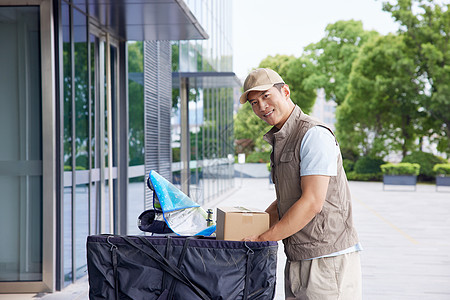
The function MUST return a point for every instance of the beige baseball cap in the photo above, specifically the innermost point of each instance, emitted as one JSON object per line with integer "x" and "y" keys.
{"x": 259, "y": 80}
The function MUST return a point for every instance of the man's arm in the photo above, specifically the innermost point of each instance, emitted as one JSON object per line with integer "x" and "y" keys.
{"x": 272, "y": 210}
{"x": 314, "y": 191}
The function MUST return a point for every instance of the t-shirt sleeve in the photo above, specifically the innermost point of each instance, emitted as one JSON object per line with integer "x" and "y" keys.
{"x": 318, "y": 153}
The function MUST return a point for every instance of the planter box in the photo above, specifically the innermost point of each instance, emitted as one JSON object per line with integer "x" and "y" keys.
{"x": 400, "y": 180}
{"x": 442, "y": 181}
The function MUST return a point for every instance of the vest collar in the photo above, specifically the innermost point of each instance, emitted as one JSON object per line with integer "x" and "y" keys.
{"x": 275, "y": 133}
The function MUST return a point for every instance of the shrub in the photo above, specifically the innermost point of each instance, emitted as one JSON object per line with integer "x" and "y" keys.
{"x": 77, "y": 168}
{"x": 258, "y": 157}
{"x": 368, "y": 165}
{"x": 349, "y": 154}
{"x": 364, "y": 177}
{"x": 176, "y": 154}
{"x": 400, "y": 169}
{"x": 426, "y": 162}
{"x": 441, "y": 169}
{"x": 348, "y": 165}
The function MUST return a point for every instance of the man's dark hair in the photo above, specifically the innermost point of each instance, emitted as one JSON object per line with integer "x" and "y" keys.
{"x": 279, "y": 86}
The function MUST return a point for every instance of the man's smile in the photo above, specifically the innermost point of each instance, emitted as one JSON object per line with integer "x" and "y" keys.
{"x": 268, "y": 114}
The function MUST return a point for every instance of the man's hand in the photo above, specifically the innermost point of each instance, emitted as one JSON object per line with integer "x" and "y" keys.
{"x": 252, "y": 238}
{"x": 314, "y": 189}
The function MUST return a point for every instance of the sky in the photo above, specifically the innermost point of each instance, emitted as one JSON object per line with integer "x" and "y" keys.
{"x": 270, "y": 27}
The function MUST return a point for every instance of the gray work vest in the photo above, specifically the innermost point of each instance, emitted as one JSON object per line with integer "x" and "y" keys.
{"x": 332, "y": 229}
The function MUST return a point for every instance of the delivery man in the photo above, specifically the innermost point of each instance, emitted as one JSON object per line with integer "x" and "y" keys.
{"x": 312, "y": 213}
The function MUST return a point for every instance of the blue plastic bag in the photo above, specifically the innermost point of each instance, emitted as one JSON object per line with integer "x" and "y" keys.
{"x": 181, "y": 214}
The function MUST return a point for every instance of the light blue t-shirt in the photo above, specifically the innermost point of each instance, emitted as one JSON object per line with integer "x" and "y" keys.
{"x": 318, "y": 152}
{"x": 318, "y": 156}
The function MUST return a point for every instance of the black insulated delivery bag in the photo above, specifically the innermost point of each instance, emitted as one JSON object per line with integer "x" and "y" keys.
{"x": 175, "y": 267}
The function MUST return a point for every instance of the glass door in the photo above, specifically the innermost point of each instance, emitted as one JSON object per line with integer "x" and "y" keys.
{"x": 21, "y": 146}
{"x": 89, "y": 109}
{"x": 27, "y": 146}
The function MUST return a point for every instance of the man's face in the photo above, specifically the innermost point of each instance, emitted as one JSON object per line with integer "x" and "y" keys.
{"x": 272, "y": 106}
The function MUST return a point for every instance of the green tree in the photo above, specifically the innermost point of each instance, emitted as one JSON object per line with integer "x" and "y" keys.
{"x": 426, "y": 31}
{"x": 381, "y": 111}
{"x": 81, "y": 113}
{"x": 278, "y": 63}
{"x": 135, "y": 57}
{"x": 136, "y": 105}
{"x": 333, "y": 57}
{"x": 302, "y": 94}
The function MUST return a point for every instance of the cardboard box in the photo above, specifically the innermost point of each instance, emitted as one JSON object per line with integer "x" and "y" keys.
{"x": 236, "y": 223}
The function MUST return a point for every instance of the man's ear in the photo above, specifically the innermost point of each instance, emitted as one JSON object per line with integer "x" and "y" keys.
{"x": 286, "y": 91}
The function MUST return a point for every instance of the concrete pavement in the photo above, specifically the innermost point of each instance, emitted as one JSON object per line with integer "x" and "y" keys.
{"x": 404, "y": 234}
{"x": 405, "y": 238}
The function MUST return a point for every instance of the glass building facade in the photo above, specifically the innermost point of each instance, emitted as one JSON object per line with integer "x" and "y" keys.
{"x": 93, "y": 95}
{"x": 202, "y": 71}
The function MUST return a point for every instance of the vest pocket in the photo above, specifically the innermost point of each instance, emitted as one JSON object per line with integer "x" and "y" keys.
{"x": 287, "y": 165}
{"x": 287, "y": 156}
{"x": 312, "y": 232}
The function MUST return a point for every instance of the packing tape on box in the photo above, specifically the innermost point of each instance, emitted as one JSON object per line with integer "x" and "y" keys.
{"x": 247, "y": 218}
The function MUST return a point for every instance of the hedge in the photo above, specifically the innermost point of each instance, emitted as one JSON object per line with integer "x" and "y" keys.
{"x": 400, "y": 169}
{"x": 441, "y": 169}
{"x": 258, "y": 157}
{"x": 364, "y": 177}
{"x": 348, "y": 165}
{"x": 426, "y": 162}
{"x": 77, "y": 168}
{"x": 368, "y": 165}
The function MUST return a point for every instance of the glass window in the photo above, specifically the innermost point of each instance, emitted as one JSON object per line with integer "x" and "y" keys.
{"x": 210, "y": 106}
{"x": 81, "y": 228}
{"x": 93, "y": 40}
{"x": 195, "y": 130}
{"x": 136, "y": 104}
{"x": 21, "y": 155}
{"x": 81, "y": 90}
{"x": 67, "y": 105}
{"x": 67, "y": 236}
{"x": 136, "y": 197}
{"x": 67, "y": 87}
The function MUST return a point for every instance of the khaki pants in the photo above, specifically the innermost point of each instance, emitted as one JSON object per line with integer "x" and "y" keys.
{"x": 337, "y": 277}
